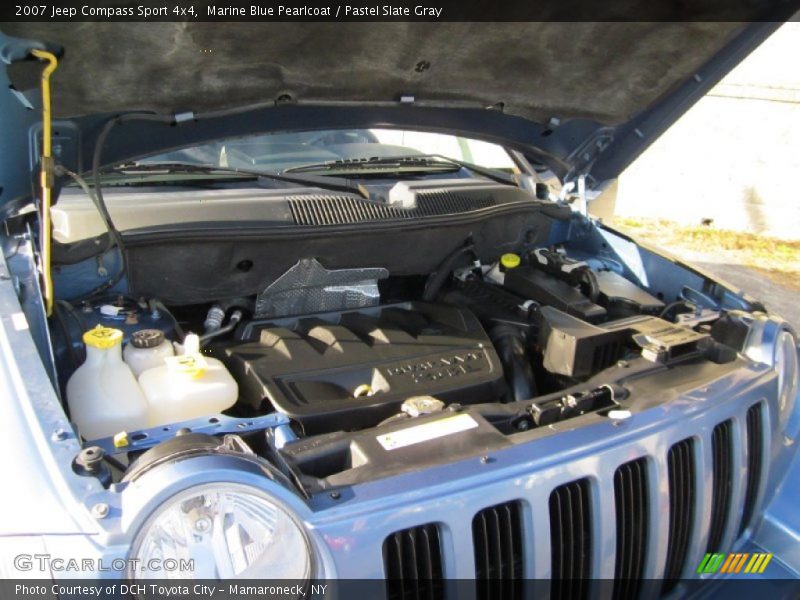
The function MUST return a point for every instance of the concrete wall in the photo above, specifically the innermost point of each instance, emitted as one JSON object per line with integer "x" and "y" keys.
{"x": 735, "y": 156}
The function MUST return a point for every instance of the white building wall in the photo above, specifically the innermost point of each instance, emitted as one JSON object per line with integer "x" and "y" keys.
{"x": 735, "y": 156}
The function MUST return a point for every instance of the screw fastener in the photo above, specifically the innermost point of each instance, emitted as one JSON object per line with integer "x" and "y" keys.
{"x": 202, "y": 525}
{"x": 100, "y": 510}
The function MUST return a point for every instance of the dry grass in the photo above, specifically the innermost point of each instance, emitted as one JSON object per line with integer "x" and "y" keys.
{"x": 778, "y": 259}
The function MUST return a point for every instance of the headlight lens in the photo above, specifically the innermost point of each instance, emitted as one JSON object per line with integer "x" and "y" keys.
{"x": 227, "y": 531}
{"x": 788, "y": 371}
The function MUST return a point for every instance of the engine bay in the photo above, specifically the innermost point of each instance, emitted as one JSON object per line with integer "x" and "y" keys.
{"x": 343, "y": 375}
{"x": 342, "y": 340}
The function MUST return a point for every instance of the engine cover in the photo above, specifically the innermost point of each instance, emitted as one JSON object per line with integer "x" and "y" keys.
{"x": 352, "y": 369}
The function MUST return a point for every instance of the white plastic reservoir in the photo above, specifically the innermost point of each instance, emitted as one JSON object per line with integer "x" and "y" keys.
{"x": 187, "y": 386}
{"x": 147, "y": 349}
{"x": 102, "y": 395}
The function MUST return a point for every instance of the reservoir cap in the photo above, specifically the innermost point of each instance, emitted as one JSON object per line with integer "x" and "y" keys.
{"x": 102, "y": 337}
{"x": 147, "y": 338}
{"x": 190, "y": 365}
{"x": 510, "y": 260}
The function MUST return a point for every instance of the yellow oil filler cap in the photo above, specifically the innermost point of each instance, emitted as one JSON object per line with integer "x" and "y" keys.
{"x": 510, "y": 260}
{"x": 102, "y": 337}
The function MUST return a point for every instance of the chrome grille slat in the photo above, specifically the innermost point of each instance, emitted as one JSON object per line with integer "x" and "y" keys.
{"x": 682, "y": 493}
{"x": 755, "y": 448}
{"x": 722, "y": 486}
{"x": 571, "y": 541}
{"x": 497, "y": 543}
{"x": 426, "y": 559}
{"x": 412, "y": 561}
{"x": 630, "y": 491}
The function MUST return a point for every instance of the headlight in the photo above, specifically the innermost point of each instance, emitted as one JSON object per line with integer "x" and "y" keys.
{"x": 787, "y": 367}
{"x": 770, "y": 340}
{"x": 222, "y": 531}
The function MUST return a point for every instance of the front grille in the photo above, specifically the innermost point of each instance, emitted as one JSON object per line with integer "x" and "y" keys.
{"x": 501, "y": 547}
{"x": 755, "y": 443}
{"x": 412, "y": 560}
{"x": 571, "y": 540}
{"x": 722, "y": 484}
{"x": 630, "y": 498}
{"x": 497, "y": 541}
{"x": 315, "y": 210}
{"x": 682, "y": 494}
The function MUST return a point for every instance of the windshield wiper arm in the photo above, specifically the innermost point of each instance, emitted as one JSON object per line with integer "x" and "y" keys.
{"x": 492, "y": 174}
{"x": 411, "y": 160}
{"x": 329, "y": 183}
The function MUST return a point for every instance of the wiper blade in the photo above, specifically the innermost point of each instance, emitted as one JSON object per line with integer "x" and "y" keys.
{"x": 137, "y": 168}
{"x": 432, "y": 161}
{"x": 389, "y": 162}
{"x": 328, "y": 183}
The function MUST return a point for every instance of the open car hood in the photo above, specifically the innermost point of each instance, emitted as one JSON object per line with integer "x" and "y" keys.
{"x": 603, "y": 71}
{"x": 575, "y": 97}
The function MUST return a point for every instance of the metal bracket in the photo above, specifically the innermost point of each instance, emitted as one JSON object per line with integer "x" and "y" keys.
{"x": 580, "y": 201}
{"x": 212, "y": 425}
{"x": 698, "y": 317}
{"x": 583, "y": 205}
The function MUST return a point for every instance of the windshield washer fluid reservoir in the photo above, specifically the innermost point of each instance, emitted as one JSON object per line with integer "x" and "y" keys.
{"x": 103, "y": 395}
{"x": 147, "y": 349}
{"x": 187, "y": 386}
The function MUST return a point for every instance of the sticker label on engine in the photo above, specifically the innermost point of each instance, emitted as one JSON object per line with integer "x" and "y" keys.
{"x": 426, "y": 432}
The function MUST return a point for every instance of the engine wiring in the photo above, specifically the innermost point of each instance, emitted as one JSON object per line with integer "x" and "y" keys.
{"x": 115, "y": 238}
{"x": 98, "y": 199}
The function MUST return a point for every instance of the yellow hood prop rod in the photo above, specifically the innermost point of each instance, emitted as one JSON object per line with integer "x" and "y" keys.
{"x": 46, "y": 179}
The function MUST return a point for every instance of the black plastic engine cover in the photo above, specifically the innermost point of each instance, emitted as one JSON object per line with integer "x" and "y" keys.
{"x": 319, "y": 368}
{"x": 546, "y": 289}
{"x": 623, "y": 298}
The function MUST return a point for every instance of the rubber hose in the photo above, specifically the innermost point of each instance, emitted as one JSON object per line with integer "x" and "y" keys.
{"x": 439, "y": 277}
{"x": 587, "y": 281}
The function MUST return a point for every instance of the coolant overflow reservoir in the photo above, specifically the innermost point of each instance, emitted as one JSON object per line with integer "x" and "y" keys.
{"x": 187, "y": 386}
{"x": 102, "y": 394}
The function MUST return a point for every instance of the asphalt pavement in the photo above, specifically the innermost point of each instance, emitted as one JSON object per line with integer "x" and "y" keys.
{"x": 778, "y": 299}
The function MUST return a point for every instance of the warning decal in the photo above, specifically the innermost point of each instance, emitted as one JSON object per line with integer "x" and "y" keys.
{"x": 425, "y": 432}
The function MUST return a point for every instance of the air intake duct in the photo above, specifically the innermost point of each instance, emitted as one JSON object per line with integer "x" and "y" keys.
{"x": 510, "y": 345}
